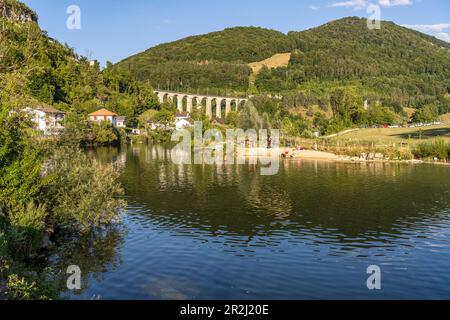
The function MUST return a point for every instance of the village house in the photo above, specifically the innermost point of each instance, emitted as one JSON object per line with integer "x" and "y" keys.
{"x": 182, "y": 121}
{"x": 121, "y": 122}
{"x": 47, "y": 119}
{"x": 103, "y": 115}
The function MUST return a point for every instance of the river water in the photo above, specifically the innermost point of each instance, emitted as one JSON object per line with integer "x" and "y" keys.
{"x": 308, "y": 232}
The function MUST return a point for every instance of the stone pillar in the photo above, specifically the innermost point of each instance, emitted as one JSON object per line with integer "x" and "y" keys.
{"x": 189, "y": 103}
{"x": 180, "y": 103}
{"x": 218, "y": 108}
{"x": 161, "y": 97}
{"x": 228, "y": 106}
{"x": 209, "y": 107}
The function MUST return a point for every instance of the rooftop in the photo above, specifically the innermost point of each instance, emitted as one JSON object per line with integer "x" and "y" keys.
{"x": 103, "y": 112}
{"x": 182, "y": 115}
{"x": 218, "y": 120}
{"x": 46, "y": 109}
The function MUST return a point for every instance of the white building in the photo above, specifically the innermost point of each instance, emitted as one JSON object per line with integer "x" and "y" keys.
{"x": 103, "y": 115}
{"x": 47, "y": 119}
{"x": 182, "y": 124}
{"x": 182, "y": 121}
{"x": 121, "y": 122}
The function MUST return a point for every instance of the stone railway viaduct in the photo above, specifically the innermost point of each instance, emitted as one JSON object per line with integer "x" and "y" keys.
{"x": 187, "y": 102}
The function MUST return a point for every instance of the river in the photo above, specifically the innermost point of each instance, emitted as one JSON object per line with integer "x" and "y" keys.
{"x": 227, "y": 232}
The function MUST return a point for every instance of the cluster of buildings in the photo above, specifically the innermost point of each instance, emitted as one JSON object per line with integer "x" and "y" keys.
{"x": 182, "y": 121}
{"x": 47, "y": 119}
{"x": 50, "y": 121}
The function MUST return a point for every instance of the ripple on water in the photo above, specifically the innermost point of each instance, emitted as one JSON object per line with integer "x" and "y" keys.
{"x": 309, "y": 232}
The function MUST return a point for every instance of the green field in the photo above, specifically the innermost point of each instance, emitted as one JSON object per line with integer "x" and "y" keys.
{"x": 397, "y": 135}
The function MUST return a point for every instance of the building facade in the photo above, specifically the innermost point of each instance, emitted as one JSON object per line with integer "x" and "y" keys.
{"x": 47, "y": 119}
{"x": 103, "y": 115}
{"x": 121, "y": 122}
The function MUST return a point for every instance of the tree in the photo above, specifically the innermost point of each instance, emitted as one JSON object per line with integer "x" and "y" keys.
{"x": 320, "y": 122}
{"x": 249, "y": 117}
{"x": 428, "y": 113}
{"x": 104, "y": 133}
{"x": 165, "y": 117}
{"x": 147, "y": 117}
{"x": 232, "y": 119}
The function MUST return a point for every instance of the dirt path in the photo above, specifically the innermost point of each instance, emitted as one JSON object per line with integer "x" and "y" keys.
{"x": 341, "y": 133}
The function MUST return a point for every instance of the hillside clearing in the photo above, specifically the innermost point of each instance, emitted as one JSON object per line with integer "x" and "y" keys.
{"x": 276, "y": 61}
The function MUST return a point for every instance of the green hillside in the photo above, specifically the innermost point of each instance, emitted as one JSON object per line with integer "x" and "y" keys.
{"x": 215, "y": 60}
{"x": 36, "y": 69}
{"x": 239, "y": 45}
{"x": 398, "y": 66}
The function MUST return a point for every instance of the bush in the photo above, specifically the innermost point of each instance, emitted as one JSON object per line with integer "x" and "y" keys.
{"x": 83, "y": 193}
{"x": 41, "y": 187}
{"x": 30, "y": 287}
{"x": 104, "y": 134}
{"x": 439, "y": 149}
{"x": 26, "y": 227}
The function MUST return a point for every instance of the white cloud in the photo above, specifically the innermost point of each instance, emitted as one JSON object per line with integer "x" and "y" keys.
{"x": 443, "y": 36}
{"x": 393, "y": 3}
{"x": 355, "y": 4}
{"x": 361, "y": 4}
{"x": 436, "y": 30}
{"x": 313, "y": 7}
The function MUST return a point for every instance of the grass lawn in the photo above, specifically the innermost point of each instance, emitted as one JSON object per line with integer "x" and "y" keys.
{"x": 389, "y": 136}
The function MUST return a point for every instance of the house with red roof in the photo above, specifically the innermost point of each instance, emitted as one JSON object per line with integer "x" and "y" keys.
{"x": 103, "y": 115}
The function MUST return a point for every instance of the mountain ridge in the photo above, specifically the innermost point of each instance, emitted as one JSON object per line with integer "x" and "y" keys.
{"x": 343, "y": 51}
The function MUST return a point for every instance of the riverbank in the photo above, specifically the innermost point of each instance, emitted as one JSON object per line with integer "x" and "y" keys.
{"x": 364, "y": 157}
{"x": 306, "y": 154}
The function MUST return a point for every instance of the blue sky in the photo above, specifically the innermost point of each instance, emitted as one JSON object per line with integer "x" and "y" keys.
{"x": 111, "y": 30}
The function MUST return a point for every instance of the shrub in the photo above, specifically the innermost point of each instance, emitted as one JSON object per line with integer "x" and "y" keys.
{"x": 439, "y": 149}
{"x": 104, "y": 134}
{"x": 30, "y": 287}
{"x": 26, "y": 226}
{"x": 83, "y": 193}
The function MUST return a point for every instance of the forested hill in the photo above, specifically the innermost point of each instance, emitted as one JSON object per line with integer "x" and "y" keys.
{"x": 394, "y": 64}
{"x": 214, "y": 60}
{"x": 36, "y": 69}
{"x": 346, "y": 49}
{"x": 239, "y": 45}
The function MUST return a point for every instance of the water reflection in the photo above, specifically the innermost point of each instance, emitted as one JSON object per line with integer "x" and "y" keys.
{"x": 96, "y": 254}
{"x": 191, "y": 223}
{"x": 352, "y": 201}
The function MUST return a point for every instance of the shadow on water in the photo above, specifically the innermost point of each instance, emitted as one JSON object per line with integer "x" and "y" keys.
{"x": 96, "y": 254}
